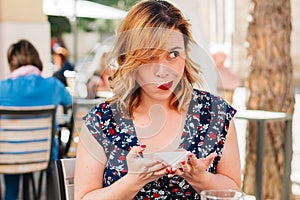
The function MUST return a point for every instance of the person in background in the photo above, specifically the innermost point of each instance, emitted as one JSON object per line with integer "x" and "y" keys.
{"x": 26, "y": 87}
{"x": 61, "y": 62}
{"x": 155, "y": 108}
{"x": 227, "y": 81}
{"x": 99, "y": 80}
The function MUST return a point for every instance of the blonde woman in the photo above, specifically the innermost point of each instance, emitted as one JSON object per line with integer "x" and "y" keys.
{"x": 155, "y": 109}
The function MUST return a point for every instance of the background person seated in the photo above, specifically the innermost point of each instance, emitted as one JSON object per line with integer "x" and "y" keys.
{"x": 227, "y": 80}
{"x": 99, "y": 82}
{"x": 26, "y": 87}
{"x": 60, "y": 59}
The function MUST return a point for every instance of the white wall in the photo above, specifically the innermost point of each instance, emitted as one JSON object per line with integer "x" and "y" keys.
{"x": 23, "y": 20}
{"x": 38, "y": 33}
{"x": 196, "y": 12}
{"x": 295, "y": 39}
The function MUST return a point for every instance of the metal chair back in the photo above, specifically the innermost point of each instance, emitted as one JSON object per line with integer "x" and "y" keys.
{"x": 65, "y": 170}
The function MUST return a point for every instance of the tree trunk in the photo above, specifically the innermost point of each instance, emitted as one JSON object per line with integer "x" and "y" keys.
{"x": 271, "y": 88}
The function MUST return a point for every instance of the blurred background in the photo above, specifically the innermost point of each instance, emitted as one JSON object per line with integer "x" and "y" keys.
{"x": 260, "y": 40}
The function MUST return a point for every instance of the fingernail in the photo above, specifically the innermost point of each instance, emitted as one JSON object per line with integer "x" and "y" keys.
{"x": 143, "y": 146}
{"x": 163, "y": 164}
{"x": 129, "y": 149}
{"x": 140, "y": 155}
{"x": 183, "y": 162}
{"x": 168, "y": 171}
{"x": 190, "y": 155}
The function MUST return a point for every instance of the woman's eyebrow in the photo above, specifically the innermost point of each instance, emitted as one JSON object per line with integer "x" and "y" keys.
{"x": 175, "y": 48}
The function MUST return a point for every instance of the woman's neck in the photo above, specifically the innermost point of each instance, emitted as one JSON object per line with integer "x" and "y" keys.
{"x": 146, "y": 104}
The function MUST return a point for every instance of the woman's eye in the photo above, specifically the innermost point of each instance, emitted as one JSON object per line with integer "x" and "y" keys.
{"x": 173, "y": 54}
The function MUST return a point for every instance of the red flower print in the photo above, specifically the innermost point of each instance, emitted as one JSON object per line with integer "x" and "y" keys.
{"x": 199, "y": 128}
{"x": 122, "y": 157}
{"x": 111, "y": 131}
{"x": 175, "y": 190}
{"x": 196, "y": 116}
{"x": 213, "y": 136}
{"x": 200, "y": 143}
{"x": 156, "y": 195}
{"x": 226, "y": 127}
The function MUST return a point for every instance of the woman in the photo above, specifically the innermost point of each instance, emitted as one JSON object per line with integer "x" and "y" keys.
{"x": 60, "y": 58}
{"x": 156, "y": 109}
{"x": 99, "y": 82}
{"x": 26, "y": 87}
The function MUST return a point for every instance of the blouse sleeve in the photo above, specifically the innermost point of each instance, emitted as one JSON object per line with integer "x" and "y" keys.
{"x": 94, "y": 140}
{"x": 225, "y": 114}
{"x": 98, "y": 120}
{"x": 222, "y": 114}
{"x": 92, "y": 121}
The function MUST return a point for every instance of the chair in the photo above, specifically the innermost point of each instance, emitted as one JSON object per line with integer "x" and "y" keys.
{"x": 80, "y": 108}
{"x": 65, "y": 171}
{"x": 65, "y": 120}
{"x": 26, "y": 140}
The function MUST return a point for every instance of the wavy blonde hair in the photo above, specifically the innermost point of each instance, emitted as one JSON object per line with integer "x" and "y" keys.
{"x": 140, "y": 38}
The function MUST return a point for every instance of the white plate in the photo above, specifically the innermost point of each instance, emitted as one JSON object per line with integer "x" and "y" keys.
{"x": 172, "y": 159}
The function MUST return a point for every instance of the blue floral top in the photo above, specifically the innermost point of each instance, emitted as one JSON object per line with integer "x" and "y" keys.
{"x": 204, "y": 132}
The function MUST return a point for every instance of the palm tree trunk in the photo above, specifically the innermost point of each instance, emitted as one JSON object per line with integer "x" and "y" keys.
{"x": 271, "y": 88}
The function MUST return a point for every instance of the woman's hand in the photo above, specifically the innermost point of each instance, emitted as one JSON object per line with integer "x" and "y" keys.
{"x": 194, "y": 168}
{"x": 145, "y": 169}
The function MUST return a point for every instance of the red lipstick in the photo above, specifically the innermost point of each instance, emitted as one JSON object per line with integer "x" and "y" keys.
{"x": 165, "y": 86}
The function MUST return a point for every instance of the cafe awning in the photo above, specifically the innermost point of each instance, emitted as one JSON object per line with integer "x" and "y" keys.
{"x": 81, "y": 8}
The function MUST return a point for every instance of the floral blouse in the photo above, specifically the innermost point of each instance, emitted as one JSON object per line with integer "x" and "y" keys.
{"x": 204, "y": 132}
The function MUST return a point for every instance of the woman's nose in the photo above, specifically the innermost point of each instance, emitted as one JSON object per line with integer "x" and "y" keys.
{"x": 161, "y": 70}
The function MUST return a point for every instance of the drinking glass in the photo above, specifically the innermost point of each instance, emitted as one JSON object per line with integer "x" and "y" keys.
{"x": 221, "y": 194}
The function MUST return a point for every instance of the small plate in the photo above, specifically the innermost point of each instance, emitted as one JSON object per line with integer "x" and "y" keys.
{"x": 172, "y": 159}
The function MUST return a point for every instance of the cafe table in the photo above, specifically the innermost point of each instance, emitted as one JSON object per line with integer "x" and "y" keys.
{"x": 261, "y": 117}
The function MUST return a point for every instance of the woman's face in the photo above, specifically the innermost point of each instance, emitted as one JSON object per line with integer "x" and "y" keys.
{"x": 57, "y": 61}
{"x": 160, "y": 77}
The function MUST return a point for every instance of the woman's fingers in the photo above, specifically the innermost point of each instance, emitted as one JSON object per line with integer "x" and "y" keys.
{"x": 209, "y": 159}
{"x": 195, "y": 166}
{"x": 136, "y": 151}
{"x": 157, "y": 166}
{"x": 160, "y": 172}
{"x": 151, "y": 163}
{"x": 193, "y": 161}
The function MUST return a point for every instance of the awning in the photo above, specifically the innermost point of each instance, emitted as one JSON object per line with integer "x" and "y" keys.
{"x": 81, "y": 8}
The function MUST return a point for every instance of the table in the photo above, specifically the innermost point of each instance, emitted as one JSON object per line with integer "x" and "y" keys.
{"x": 262, "y": 117}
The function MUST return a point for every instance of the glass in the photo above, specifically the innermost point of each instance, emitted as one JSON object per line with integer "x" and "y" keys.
{"x": 221, "y": 195}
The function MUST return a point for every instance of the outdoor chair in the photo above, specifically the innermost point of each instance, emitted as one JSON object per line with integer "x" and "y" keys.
{"x": 26, "y": 141}
{"x": 65, "y": 171}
